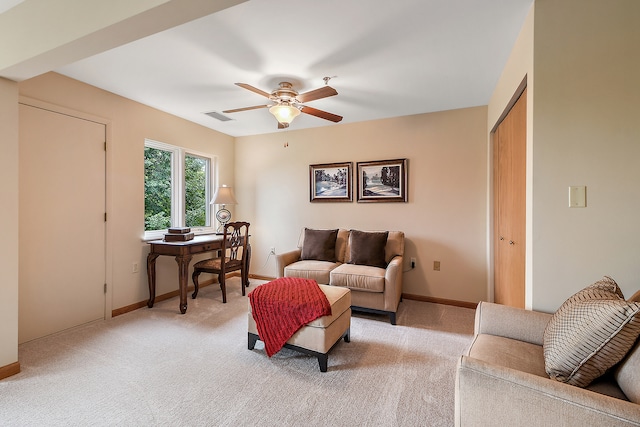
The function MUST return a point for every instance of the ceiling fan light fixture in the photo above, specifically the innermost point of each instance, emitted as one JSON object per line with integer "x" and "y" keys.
{"x": 287, "y": 103}
{"x": 284, "y": 113}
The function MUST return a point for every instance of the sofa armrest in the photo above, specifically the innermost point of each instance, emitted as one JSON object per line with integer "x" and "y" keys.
{"x": 286, "y": 258}
{"x": 393, "y": 283}
{"x": 511, "y": 322}
{"x": 490, "y": 395}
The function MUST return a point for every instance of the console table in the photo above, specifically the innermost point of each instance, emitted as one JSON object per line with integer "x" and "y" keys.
{"x": 183, "y": 253}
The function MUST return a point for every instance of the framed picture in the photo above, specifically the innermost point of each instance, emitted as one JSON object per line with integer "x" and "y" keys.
{"x": 382, "y": 181}
{"x": 330, "y": 182}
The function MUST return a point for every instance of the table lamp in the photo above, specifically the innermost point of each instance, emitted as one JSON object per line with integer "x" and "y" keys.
{"x": 224, "y": 196}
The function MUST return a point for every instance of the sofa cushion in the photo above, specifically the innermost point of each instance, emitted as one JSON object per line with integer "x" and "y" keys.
{"x": 627, "y": 374}
{"x": 608, "y": 386}
{"x": 509, "y": 353}
{"x": 591, "y": 332}
{"x": 310, "y": 269}
{"x": 319, "y": 245}
{"x": 368, "y": 248}
{"x": 359, "y": 277}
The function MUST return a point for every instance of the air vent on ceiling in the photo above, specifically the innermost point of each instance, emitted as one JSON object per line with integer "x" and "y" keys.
{"x": 218, "y": 116}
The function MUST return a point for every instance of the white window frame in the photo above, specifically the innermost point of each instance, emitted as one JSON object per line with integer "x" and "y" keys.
{"x": 178, "y": 192}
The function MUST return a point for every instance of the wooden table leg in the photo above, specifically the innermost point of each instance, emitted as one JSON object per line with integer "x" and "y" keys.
{"x": 151, "y": 277}
{"x": 245, "y": 270}
{"x": 183, "y": 279}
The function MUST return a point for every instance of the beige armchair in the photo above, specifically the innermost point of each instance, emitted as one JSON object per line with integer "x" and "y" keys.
{"x": 501, "y": 380}
{"x": 375, "y": 289}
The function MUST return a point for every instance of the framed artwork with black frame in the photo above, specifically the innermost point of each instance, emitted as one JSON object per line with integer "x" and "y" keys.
{"x": 382, "y": 181}
{"x": 331, "y": 182}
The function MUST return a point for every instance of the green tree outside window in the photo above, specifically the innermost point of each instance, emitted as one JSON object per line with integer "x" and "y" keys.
{"x": 195, "y": 178}
{"x": 157, "y": 189}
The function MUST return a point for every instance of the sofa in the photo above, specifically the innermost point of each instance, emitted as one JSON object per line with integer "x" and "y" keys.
{"x": 366, "y": 262}
{"x": 502, "y": 380}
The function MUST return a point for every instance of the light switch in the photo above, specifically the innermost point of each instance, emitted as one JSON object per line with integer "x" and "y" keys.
{"x": 578, "y": 197}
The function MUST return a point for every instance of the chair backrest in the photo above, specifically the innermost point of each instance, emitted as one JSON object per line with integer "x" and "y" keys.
{"x": 234, "y": 242}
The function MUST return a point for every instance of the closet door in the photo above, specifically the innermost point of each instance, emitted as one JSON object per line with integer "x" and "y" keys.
{"x": 62, "y": 222}
{"x": 509, "y": 183}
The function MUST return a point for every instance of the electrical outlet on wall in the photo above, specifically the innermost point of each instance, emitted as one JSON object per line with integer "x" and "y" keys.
{"x": 272, "y": 250}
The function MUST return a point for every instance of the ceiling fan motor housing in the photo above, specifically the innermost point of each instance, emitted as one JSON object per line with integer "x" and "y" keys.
{"x": 285, "y": 93}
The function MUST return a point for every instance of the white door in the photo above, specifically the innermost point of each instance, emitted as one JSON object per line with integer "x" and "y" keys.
{"x": 62, "y": 222}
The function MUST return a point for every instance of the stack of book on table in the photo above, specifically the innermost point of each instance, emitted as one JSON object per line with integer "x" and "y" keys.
{"x": 178, "y": 234}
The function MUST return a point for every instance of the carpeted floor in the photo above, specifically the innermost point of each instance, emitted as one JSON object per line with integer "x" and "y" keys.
{"x": 158, "y": 367}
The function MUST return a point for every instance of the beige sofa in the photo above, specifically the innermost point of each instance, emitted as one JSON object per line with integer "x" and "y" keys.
{"x": 502, "y": 381}
{"x": 373, "y": 289}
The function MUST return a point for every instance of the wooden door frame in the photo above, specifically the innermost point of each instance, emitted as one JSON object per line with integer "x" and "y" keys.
{"x": 108, "y": 303}
{"x": 490, "y": 232}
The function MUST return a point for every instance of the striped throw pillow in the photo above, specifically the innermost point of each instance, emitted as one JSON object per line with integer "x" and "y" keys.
{"x": 591, "y": 332}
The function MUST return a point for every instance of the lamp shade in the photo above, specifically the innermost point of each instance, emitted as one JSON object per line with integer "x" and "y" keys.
{"x": 284, "y": 113}
{"x": 224, "y": 196}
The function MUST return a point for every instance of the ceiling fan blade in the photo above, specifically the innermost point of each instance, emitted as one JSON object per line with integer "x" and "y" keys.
{"x": 254, "y": 89}
{"x": 320, "y": 93}
{"x": 255, "y": 107}
{"x": 322, "y": 114}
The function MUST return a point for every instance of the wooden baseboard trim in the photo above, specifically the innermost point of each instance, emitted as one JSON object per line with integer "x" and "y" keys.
{"x": 464, "y": 304}
{"x": 128, "y": 308}
{"x": 141, "y": 304}
{"x": 9, "y": 370}
{"x": 132, "y": 307}
{"x": 137, "y": 305}
{"x": 259, "y": 277}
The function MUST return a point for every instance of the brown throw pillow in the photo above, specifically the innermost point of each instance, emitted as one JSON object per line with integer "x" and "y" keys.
{"x": 319, "y": 245}
{"x": 591, "y": 332}
{"x": 367, "y": 248}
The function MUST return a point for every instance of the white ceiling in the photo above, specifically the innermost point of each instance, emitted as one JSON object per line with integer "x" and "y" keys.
{"x": 389, "y": 58}
{"x": 8, "y": 4}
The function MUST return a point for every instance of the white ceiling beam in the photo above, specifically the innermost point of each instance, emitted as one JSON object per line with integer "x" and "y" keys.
{"x": 37, "y": 36}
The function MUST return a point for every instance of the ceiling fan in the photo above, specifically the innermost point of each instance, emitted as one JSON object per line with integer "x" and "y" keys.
{"x": 287, "y": 102}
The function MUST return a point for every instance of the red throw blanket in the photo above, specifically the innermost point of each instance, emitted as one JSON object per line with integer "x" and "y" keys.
{"x": 283, "y": 306}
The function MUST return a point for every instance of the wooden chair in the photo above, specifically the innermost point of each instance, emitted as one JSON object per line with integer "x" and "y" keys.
{"x": 234, "y": 256}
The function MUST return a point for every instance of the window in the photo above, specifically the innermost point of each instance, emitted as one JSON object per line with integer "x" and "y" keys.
{"x": 196, "y": 176}
{"x": 177, "y": 189}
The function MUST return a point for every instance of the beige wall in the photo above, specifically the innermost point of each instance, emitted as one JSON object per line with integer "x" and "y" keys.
{"x": 444, "y": 220}
{"x": 586, "y": 132}
{"x": 128, "y": 124}
{"x": 9, "y": 217}
{"x": 582, "y": 130}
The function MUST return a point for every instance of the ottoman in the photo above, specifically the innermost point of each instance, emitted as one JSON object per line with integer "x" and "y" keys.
{"x": 316, "y": 338}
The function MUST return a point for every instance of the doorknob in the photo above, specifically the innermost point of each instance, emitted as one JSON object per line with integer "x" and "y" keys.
{"x": 501, "y": 238}
{"x": 511, "y": 242}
